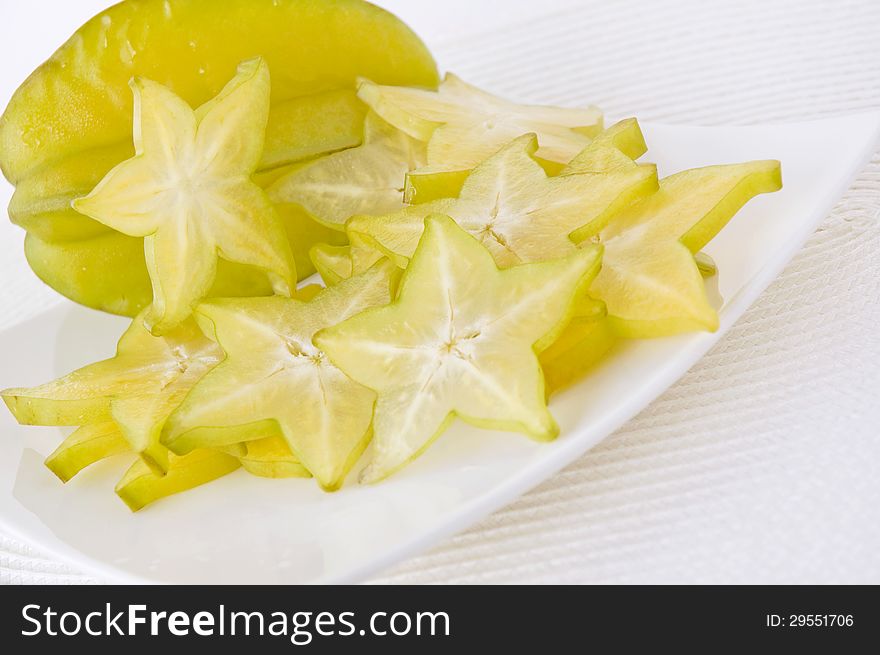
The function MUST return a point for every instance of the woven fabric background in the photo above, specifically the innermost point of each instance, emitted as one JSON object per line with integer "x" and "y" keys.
{"x": 763, "y": 463}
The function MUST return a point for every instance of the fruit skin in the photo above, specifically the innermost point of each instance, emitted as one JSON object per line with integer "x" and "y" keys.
{"x": 85, "y": 446}
{"x": 107, "y": 272}
{"x": 71, "y": 121}
{"x": 141, "y": 485}
{"x": 578, "y": 349}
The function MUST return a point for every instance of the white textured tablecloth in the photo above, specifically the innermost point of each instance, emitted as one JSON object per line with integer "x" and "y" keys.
{"x": 761, "y": 465}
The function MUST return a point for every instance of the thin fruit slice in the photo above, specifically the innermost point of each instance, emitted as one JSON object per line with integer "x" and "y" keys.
{"x": 333, "y": 263}
{"x": 460, "y": 339}
{"x": 270, "y": 457}
{"x": 85, "y": 446}
{"x": 273, "y": 373}
{"x": 463, "y": 124}
{"x": 624, "y": 137}
{"x": 650, "y": 281}
{"x": 513, "y": 208}
{"x": 340, "y": 263}
{"x": 303, "y": 231}
{"x": 142, "y": 485}
{"x": 137, "y": 389}
{"x": 188, "y": 192}
{"x": 368, "y": 179}
{"x": 432, "y": 183}
{"x": 579, "y": 348}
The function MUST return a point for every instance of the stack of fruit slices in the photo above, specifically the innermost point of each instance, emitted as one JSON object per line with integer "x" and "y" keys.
{"x": 478, "y": 255}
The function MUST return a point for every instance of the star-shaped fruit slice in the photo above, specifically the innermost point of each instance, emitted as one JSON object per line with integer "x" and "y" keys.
{"x": 188, "y": 192}
{"x": 514, "y": 208}
{"x": 137, "y": 388}
{"x": 650, "y": 280}
{"x": 463, "y": 125}
{"x": 275, "y": 377}
{"x": 368, "y": 179}
{"x": 460, "y": 339}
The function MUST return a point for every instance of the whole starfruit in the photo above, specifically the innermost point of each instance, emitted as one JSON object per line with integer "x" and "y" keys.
{"x": 71, "y": 121}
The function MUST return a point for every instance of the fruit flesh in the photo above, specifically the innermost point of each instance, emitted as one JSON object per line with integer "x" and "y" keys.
{"x": 270, "y": 359}
{"x": 188, "y": 192}
{"x": 333, "y": 263}
{"x": 463, "y": 125}
{"x": 460, "y": 339}
{"x": 367, "y": 179}
{"x": 270, "y": 457}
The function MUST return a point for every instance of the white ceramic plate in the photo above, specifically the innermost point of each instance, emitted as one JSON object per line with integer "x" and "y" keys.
{"x": 242, "y": 529}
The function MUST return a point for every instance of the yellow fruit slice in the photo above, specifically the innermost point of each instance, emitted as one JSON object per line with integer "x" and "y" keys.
{"x": 460, "y": 339}
{"x": 650, "y": 281}
{"x": 137, "y": 389}
{"x": 188, "y": 191}
{"x": 706, "y": 264}
{"x": 85, "y": 446}
{"x": 270, "y": 457}
{"x": 41, "y": 203}
{"x": 333, "y": 263}
{"x": 464, "y": 125}
{"x": 273, "y": 373}
{"x": 141, "y": 485}
{"x": 368, "y": 179}
{"x": 582, "y": 344}
{"x": 513, "y": 208}
{"x": 603, "y": 154}
{"x": 432, "y": 183}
